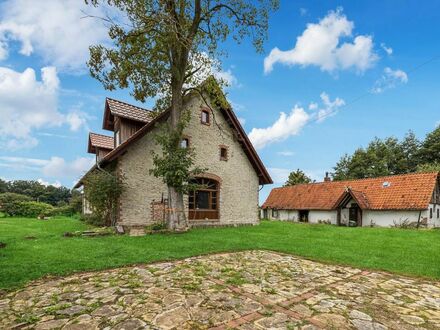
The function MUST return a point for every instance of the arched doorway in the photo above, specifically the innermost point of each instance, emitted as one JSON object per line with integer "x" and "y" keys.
{"x": 203, "y": 203}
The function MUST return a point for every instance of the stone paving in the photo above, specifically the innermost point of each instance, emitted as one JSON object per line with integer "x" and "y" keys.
{"x": 244, "y": 290}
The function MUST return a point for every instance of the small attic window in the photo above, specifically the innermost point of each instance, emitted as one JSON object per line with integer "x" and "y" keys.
{"x": 223, "y": 153}
{"x": 386, "y": 184}
{"x": 204, "y": 117}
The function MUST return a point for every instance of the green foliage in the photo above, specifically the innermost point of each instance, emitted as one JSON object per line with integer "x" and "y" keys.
{"x": 9, "y": 203}
{"x": 432, "y": 167}
{"x": 102, "y": 190}
{"x": 297, "y": 177}
{"x": 381, "y": 157}
{"x": 76, "y": 201}
{"x": 165, "y": 42}
{"x": 430, "y": 149}
{"x": 33, "y": 209}
{"x": 38, "y": 192}
{"x": 176, "y": 164}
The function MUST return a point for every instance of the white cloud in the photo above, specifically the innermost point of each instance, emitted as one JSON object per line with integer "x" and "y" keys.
{"x": 242, "y": 121}
{"x": 329, "y": 108}
{"x": 320, "y": 45}
{"x": 27, "y": 103}
{"x": 387, "y": 50}
{"x": 284, "y": 127}
{"x": 55, "y": 167}
{"x": 390, "y": 79}
{"x": 56, "y": 184}
{"x": 55, "y": 30}
{"x": 292, "y": 124}
{"x": 286, "y": 153}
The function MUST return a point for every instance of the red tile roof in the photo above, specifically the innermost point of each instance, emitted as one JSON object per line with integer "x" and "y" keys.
{"x": 125, "y": 110}
{"x": 407, "y": 191}
{"x": 100, "y": 141}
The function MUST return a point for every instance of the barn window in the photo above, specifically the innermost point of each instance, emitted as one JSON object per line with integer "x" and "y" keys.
{"x": 438, "y": 213}
{"x": 274, "y": 213}
{"x": 223, "y": 153}
{"x": 204, "y": 117}
{"x": 430, "y": 213}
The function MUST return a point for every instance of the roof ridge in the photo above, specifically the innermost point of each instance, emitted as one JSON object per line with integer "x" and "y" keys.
{"x": 134, "y": 106}
{"x": 109, "y": 136}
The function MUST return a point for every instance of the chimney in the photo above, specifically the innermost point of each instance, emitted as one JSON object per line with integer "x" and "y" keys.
{"x": 327, "y": 178}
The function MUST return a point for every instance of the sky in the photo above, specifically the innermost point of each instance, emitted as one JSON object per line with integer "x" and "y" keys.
{"x": 333, "y": 75}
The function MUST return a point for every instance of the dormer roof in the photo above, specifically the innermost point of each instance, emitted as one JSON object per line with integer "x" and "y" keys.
{"x": 100, "y": 141}
{"x": 124, "y": 110}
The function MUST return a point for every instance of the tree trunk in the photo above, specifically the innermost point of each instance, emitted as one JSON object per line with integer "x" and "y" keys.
{"x": 176, "y": 216}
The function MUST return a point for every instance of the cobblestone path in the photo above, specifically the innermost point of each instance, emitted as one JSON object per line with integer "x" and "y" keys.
{"x": 244, "y": 290}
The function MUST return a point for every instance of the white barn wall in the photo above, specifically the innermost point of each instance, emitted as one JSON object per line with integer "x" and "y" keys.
{"x": 435, "y": 220}
{"x": 288, "y": 215}
{"x": 322, "y": 215}
{"x": 387, "y": 218}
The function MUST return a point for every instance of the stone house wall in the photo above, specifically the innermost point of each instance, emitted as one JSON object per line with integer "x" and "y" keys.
{"x": 239, "y": 185}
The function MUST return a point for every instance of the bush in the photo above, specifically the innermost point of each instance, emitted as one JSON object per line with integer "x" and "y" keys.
{"x": 9, "y": 203}
{"x": 33, "y": 209}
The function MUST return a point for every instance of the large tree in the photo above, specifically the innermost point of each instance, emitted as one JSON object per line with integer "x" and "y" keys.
{"x": 297, "y": 177}
{"x": 161, "y": 47}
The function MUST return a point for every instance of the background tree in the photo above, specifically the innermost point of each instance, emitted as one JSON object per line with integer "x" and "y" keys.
{"x": 390, "y": 156}
{"x": 297, "y": 177}
{"x": 430, "y": 150}
{"x": 161, "y": 48}
{"x": 429, "y": 167}
{"x": 4, "y": 186}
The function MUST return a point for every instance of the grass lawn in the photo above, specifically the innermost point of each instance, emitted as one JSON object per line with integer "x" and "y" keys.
{"x": 402, "y": 251}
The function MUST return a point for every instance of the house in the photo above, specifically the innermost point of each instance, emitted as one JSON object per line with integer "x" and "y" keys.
{"x": 229, "y": 187}
{"x": 383, "y": 201}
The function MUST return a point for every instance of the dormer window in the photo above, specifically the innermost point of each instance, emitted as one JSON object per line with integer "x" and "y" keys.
{"x": 204, "y": 117}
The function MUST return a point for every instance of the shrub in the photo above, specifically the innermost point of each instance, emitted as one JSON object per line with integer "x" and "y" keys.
{"x": 102, "y": 190}
{"x": 9, "y": 203}
{"x": 33, "y": 209}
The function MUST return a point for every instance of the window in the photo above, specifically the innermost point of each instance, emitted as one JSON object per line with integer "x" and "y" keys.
{"x": 203, "y": 202}
{"x": 184, "y": 143}
{"x": 223, "y": 153}
{"x": 438, "y": 213}
{"x": 204, "y": 117}
{"x": 117, "y": 138}
{"x": 430, "y": 213}
{"x": 274, "y": 213}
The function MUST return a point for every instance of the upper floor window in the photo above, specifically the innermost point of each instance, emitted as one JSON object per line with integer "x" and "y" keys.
{"x": 204, "y": 117}
{"x": 223, "y": 153}
{"x": 184, "y": 143}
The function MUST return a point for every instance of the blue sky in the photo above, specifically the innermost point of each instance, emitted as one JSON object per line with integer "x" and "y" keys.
{"x": 337, "y": 74}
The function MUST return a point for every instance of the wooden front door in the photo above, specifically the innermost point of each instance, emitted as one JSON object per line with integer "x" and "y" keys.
{"x": 203, "y": 202}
